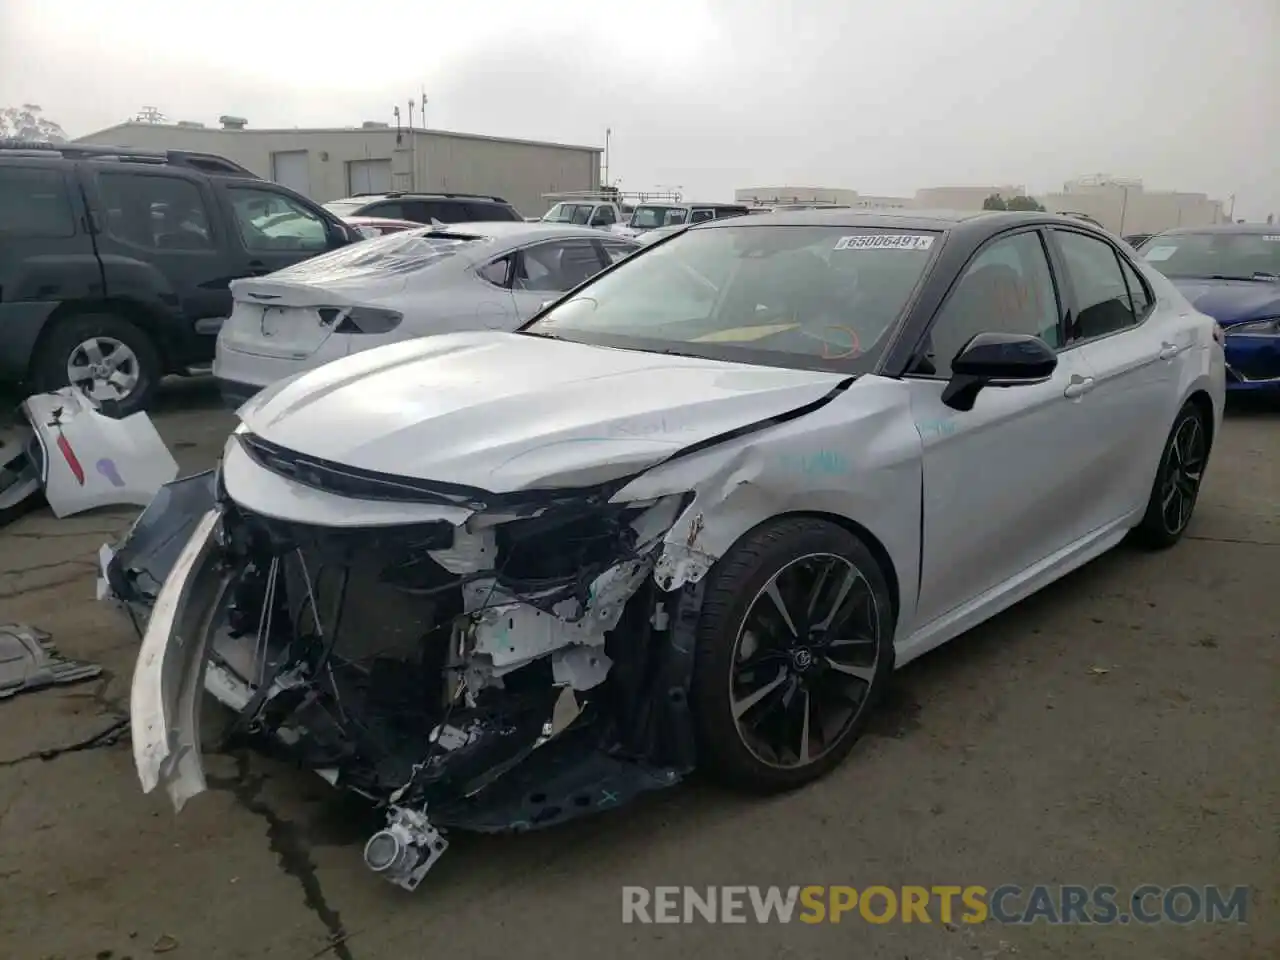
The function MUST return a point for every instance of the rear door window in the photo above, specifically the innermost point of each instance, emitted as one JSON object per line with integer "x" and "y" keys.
{"x": 445, "y": 211}
{"x": 483, "y": 210}
{"x": 1102, "y": 296}
{"x": 35, "y": 202}
{"x": 392, "y": 211}
{"x": 154, "y": 210}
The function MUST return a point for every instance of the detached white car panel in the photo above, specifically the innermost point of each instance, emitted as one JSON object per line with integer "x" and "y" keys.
{"x": 90, "y": 460}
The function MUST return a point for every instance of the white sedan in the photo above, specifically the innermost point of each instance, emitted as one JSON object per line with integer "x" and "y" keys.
{"x": 693, "y": 515}
{"x": 411, "y": 283}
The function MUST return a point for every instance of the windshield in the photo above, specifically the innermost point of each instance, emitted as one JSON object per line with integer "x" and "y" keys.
{"x": 343, "y": 208}
{"x": 647, "y": 217}
{"x": 779, "y": 296}
{"x": 1242, "y": 256}
{"x": 578, "y": 213}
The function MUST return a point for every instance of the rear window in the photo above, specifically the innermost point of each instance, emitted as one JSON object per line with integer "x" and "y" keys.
{"x": 34, "y": 203}
{"x": 345, "y": 208}
{"x": 394, "y": 254}
{"x": 481, "y": 211}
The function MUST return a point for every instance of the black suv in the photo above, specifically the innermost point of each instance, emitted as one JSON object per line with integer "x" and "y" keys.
{"x": 426, "y": 207}
{"x": 115, "y": 263}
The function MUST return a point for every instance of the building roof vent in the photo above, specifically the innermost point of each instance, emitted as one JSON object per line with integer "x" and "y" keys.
{"x": 375, "y": 125}
{"x": 233, "y": 123}
{"x": 191, "y": 124}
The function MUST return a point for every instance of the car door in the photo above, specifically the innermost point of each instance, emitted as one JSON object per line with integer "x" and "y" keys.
{"x": 1004, "y": 483}
{"x": 1135, "y": 352}
{"x": 545, "y": 271}
{"x": 160, "y": 244}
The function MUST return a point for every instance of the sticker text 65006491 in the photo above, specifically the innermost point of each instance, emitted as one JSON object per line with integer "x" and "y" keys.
{"x": 885, "y": 241}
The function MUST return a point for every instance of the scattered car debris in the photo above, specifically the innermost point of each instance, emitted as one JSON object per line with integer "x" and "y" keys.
{"x": 29, "y": 661}
{"x": 132, "y": 572}
{"x": 19, "y": 478}
{"x": 80, "y": 457}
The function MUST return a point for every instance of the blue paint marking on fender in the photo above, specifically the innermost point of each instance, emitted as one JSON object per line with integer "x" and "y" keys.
{"x": 930, "y": 429}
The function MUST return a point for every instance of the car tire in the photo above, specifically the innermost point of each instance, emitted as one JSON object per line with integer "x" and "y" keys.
{"x": 1177, "y": 482}
{"x": 139, "y": 365}
{"x": 782, "y": 555}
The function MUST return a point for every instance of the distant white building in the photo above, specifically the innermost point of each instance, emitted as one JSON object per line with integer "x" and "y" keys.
{"x": 1123, "y": 206}
{"x": 330, "y": 163}
{"x": 770, "y": 195}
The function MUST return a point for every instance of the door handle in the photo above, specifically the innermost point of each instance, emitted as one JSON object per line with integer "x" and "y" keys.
{"x": 1168, "y": 351}
{"x": 1078, "y": 386}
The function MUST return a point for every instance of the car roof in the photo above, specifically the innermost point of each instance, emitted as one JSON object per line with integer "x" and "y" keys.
{"x": 1241, "y": 228}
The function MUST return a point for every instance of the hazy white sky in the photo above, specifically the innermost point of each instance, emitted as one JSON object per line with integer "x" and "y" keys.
{"x": 881, "y": 97}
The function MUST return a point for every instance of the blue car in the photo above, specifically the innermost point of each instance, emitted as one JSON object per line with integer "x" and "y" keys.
{"x": 1232, "y": 273}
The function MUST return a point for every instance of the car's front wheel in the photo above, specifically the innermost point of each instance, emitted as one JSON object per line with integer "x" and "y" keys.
{"x": 794, "y": 646}
{"x": 1177, "y": 483}
{"x": 108, "y": 359}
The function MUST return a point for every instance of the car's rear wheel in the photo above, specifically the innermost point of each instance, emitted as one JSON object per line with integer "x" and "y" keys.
{"x": 795, "y": 644}
{"x": 1177, "y": 484}
{"x": 108, "y": 359}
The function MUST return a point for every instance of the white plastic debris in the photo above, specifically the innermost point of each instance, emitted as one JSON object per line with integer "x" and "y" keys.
{"x": 90, "y": 460}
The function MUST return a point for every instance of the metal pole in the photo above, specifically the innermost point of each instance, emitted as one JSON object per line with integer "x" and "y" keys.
{"x": 413, "y": 152}
{"x": 1124, "y": 207}
{"x": 608, "y": 133}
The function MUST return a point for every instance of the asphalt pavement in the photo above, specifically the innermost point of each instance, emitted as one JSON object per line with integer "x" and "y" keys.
{"x": 1119, "y": 728}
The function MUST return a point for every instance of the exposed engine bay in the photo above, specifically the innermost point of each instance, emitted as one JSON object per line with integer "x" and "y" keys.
{"x": 505, "y": 674}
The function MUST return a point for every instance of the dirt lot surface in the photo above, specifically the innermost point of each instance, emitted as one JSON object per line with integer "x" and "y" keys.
{"x": 1120, "y": 728}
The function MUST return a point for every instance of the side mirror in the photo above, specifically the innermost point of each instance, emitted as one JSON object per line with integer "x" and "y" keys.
{"x": 997, "y": 360}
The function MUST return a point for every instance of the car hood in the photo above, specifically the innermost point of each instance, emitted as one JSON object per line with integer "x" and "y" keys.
{"x": 505, "y": 412}
{"x": 1232, "y": 301}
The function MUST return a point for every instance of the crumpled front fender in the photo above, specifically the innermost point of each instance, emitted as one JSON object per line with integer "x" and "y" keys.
{"x": 168, "y": 680}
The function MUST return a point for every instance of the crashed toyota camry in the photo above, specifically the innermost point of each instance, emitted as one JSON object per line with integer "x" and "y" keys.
{"x": 691, "y": 516}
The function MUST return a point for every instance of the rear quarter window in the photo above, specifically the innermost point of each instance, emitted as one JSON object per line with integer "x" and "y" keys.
{"x": 34, "y": 203}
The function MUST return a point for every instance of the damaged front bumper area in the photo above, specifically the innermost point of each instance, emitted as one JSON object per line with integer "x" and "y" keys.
{"x": 508, "y": 672}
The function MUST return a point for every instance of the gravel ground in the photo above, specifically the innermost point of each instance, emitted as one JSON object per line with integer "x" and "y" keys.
{"x": 1119, "y": 728}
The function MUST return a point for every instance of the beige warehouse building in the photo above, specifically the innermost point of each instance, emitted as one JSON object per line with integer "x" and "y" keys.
{"x": 330, "y": 163}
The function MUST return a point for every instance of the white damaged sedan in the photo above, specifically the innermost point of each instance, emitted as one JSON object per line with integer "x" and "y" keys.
{"x": 692, "y": 515}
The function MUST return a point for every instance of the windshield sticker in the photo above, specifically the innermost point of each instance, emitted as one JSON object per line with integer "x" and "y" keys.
{"x": 885, "y": 241}
{"x": 1159, "y": 253}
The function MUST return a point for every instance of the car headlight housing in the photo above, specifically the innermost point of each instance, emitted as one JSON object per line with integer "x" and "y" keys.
{"x": 1256, "y": 328}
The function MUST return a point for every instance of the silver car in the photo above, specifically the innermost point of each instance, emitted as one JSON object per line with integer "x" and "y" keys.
{"x": 694, "y": 515}
{"x": 442, "y": 279}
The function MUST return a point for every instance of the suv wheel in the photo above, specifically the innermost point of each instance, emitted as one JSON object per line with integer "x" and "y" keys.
{"x": 108, "y": 359}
